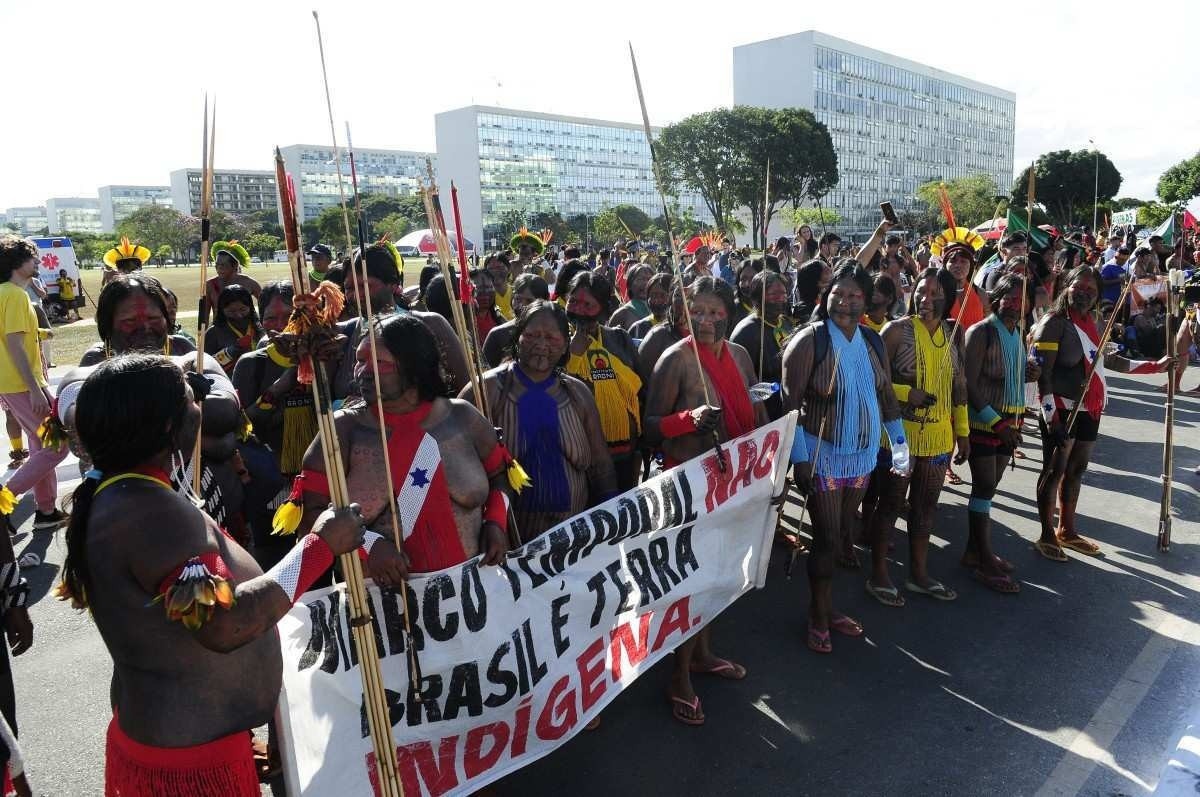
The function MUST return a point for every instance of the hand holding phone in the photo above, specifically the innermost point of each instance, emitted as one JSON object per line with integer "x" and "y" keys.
{"x": 889, "y": 213}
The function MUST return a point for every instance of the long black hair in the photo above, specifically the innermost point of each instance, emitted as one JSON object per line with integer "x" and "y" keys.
{"x": 121, "y": 287}
{"x": 130, "y": 409}
{"x": 808, "y": 281}
{"x": 949, "y": 286}
{"x": 1061, "y": 302}
{"x": 415, "y": 348}
{"x": 237, "y": 293}
{"x": 847, "y": 268}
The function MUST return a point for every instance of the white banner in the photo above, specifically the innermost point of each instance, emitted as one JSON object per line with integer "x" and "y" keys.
{"x": 1125, "y": 218}
{"x": 517, "y": 658}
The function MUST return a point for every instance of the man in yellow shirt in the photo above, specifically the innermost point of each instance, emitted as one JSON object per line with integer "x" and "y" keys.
{"x": 66, "y": 292}
{"x": 23, "y": 385}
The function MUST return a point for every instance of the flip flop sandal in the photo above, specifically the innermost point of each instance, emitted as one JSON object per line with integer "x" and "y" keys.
{"x": 953, "y": 478}
{"x": 847, "y": 626}
{"x": 693, "y": 704}
{"x": 888, "y": 596}
{"x": 29, "y": 559}
{"x": 936, "y": 589}
{"x": 1050, "y": 551}
{"x": 1018, "y": 454}
{"x": 722, "y": 668}
{"x": 971, "y": 562}
{"x": 1080, "y": 545}
{"x": 818, "y": 641}
{"x": 1002, "y": 584}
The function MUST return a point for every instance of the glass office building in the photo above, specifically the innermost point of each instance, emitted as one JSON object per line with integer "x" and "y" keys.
{"x": 895, "y": 124}
{"x": 507, "y": 161}
{"x": 73, "y": 214}
{"x": 28, "y": 220}
{"x": 380, "y": 171}
{"x": 119, "y": 202}
{"x": 238, "y": 191}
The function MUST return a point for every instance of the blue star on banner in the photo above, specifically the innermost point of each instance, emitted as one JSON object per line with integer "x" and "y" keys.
{"x": 420, "y": 477}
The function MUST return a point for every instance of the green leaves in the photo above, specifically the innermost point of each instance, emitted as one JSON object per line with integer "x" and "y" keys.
{"x": 1067, "y": 183}
{"x": 1181, "y": 182}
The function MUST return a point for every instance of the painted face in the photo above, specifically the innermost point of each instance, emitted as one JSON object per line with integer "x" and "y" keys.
{"x": 485, "y": 292}
{"x": 845, "y": 302}
{"x": 138, "y": 325}
{"x": 1081, "y": 294}
{"x": 541, "y": 344}
{"x": 823, "y": 282}
{"x": 392, "y": 384}
{"x": 276, "y": 314}
{"x": 929, "y": 300}
{"x": 226, "y": 267}
{"x": 1010, "y": 305}
{"x": 658, "y": 300}
{"x": 521, "y": 300}
{"x": 702, "y": 256}
{"x": 960, "y": 267}
{"x": 710, "y": 320}
{"x": 1016, "y": 250}
{"x": 380, "y": 291}
{"x": 777, "y": 300}
{"x": 498, "y": 271}
{"x": 637, "y": 288}
{"x": 582, "y": 307}
{"x": 237, "y": 313}
{"x": 743, "y": 286}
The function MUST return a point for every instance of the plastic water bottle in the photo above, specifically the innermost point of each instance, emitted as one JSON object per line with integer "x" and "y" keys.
{"x": 900, "y": 460}
{"x": 763, "y": 390}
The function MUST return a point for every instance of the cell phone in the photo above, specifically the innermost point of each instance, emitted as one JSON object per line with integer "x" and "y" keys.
{"x": 889, "y": 213}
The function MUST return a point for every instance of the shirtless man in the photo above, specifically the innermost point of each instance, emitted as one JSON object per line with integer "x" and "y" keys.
{"x": 1058, "y": 345}
{"x": 682, "y": 423}
{"x": 189, "y": 680}
{"x": 383, "y": 277}
{"x": 132, "y": 315}
{"x": 464, "y": 511}
{"x": 230, "y": 258}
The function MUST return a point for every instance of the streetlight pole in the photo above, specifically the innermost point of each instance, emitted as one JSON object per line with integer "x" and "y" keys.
{"x": 1096, "y": 188}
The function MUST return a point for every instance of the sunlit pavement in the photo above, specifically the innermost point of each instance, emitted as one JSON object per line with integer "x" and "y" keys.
{"x": 1083, "y": 683}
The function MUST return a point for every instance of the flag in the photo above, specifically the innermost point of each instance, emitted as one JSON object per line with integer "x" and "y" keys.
{"x": 1167, "y": 231}
{"x": 1017, "y": 221}
{"x": 1189, "y": 221}
{"x": 426, "y": 516}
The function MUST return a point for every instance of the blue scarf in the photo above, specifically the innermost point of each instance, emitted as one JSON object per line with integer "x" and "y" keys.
{"x": 1014, "y": 367}
{"x": 539, "y": 449}
{"x": 853, "y": 447}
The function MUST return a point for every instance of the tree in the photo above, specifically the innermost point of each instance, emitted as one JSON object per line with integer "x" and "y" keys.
{"x": 394, "y": 225}
{"x": 262, "y": 245}
{"x": 622, "y": 221}
{"x": 264, "y": 221}
{"x": 155, "y": 226}
{"x": 816, "y": 219}
{"x": 972, "y": 198}
{"x": 329, "y": 228}
{"x": 550, "y": 220}
{"x": 919, "y": 219}
{"x": 163, "y": 253}
{"x": 1153, "y": 214}
{"x": 1181, "y": 182}
{"x": 705, "y": 153}
{"x": 1125, "y": 203}
{"x": 1066, "y": 183}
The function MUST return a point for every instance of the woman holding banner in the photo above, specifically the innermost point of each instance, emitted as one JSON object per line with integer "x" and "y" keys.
{"x": 681, "y": 422}
{"x": 551, "y": 420}
{"x": 837, "y": 372}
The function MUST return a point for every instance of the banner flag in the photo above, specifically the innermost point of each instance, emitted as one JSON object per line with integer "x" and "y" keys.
{"x": 518, "y": 657}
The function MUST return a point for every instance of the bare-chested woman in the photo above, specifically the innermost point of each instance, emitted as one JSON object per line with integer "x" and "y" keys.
{"x": 190, "y": 676}
{"x": 1059, "y": 342}
{"x": 678, "y": 420}
{"x": 447, "y": 465}
{"x": 837, "y": 372}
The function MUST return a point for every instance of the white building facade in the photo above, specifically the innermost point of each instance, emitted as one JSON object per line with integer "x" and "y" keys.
{"x": 237, "y": 191}
{"x": 119, "y": 202}
{"x": 504, "y": 160}
{"x": 895, "y": 123}
{"x": 28, "y": 220}
{"x": 314, "y": 171}
{"x": 73, "y": 214}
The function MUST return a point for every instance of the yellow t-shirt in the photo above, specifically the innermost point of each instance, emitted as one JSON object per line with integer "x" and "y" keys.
{"x": 66, "y": 288}
{"x": 17, "y": 315}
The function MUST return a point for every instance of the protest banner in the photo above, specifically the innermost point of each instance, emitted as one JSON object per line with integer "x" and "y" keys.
{"x": 517, "y": 658}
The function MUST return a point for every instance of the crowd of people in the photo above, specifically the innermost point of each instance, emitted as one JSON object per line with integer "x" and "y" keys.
{"x": 596, "y": 370}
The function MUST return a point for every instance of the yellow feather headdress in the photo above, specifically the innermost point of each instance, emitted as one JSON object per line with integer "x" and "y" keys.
{"x": 126, "y": 251}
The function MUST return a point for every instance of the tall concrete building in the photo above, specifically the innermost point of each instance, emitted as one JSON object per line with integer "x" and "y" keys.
{"x": 118, "y": 202}
{"x": 28, "y": 221}
{"x": 380, "y": 171}
{"x": 73, "y": 214}
{"x": 504, "y": 160}
{"x": 895, "y": 123}
{"x": 237, "y": 191}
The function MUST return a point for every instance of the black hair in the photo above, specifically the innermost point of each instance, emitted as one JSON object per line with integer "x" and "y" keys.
{"x": 755, "y": 263}
{"x": 526, "y": 316}
{"x": 846, "y": 268}
{"x": 597, "y": 285}
{"x": 892, "y": 239}
{"x": 502, "y": 255}
{"x": 438, "y": 297}
{"x": 830, "y": 237}
{"x": 571, "y": 253}
{"x": 949, "y": 286}
{"x": 14, "y": 252}
{"x": 336, "y": 274}
{"x": 234, "y": 293}
{"x": 808, "y": 281}
{"x": 1004, "y": 286}
{"x": 713, "y": 287}
{"x": 534, "y": 283}
{"x": 884, "y": 282}
{"x": 380, "y": 264}
{"x": 1061, "y": 301}
{"x": 762, "y": 283}
{"x": 129, "y": 409}
{"x": 281, "y": 289}
{"x": 121, "y": 287}
{"x": 783, "y": 243}
{"x": 635, "y": 270}
{"x": 1012, "y": 238}
{"x": 562, "y": 284}
{"x": 415, "y": 349}
{"x": 427, "y": 275}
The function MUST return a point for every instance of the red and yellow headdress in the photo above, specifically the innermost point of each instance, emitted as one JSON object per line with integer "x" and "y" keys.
{"x": 126, "y": 251}
{"x": 536, "y": 241}
{"x": 953, "y": 237}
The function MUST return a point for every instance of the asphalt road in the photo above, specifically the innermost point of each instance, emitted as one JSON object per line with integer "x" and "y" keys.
{"x": 1077, "y": 685}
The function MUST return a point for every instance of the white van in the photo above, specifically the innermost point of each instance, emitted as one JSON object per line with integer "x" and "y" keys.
{"x": 56, "y": 254}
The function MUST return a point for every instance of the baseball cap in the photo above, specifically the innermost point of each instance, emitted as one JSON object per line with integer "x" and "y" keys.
{"x": 321, "y": 249}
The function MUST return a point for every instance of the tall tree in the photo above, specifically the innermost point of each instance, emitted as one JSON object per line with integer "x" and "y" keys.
{"x": 1067, "y": 183}
{"x": 705, "y": 154}
{"x": 972, "y": 198}
{"x": 394, "y": 225}
{"x": 550, "y": 220}
{"x": 1181, "y": 182}
{"x": 155, "y": 226}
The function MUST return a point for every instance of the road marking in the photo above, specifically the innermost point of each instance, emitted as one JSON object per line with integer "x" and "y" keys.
{"x": 1090, "y": 746}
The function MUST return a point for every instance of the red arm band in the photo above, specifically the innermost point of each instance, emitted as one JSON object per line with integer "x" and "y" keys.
{"x": 496, "y": 460}
{"x": 314, "y": 482}
{"x": 495, "y": 509}
{"x": 212, "y": 560}
{"x": 676, "y": 425}
{"x": 303, "y": 565}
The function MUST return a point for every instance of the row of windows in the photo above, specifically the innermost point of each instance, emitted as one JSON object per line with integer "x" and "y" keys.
{"x": 902, "y": 101}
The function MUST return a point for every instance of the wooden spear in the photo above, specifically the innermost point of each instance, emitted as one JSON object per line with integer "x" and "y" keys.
{"x": 206, "y": 190}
